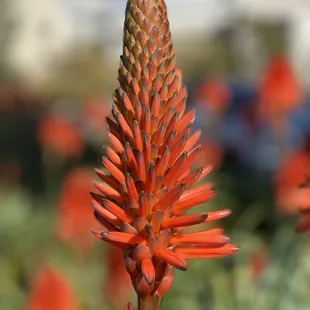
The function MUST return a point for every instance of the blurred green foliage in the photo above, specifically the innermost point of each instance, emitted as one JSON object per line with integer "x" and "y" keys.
{"x": 27, "y": 236}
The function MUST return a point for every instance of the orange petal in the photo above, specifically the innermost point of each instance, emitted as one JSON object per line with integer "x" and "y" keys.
{"x": 196, "y": 191}
{"x": 150, "y": 184}
{"x": 117, "y": 211}
{"x": 124, "y": 125}
{"x": 163, "y": 162}
{"x": 108, "y": 192}
{"x": 193, "y": 198}
{"x": 174, "y": 172}
{"x": 167, "y": 117}
{"x": 115, "y": 172}
{"x": 122, "y": 237}
{"x": 209, "y": 252}
{"x": 146, "y": 121}
{"x": 125, "y": 100}
{"x": 205, "y": 171}
{"x": 192, "y": 141}
{"x": 148, "y": 270}
{"x": 111, "y": 217}
{"x": 172, "y": 258}
{"x": 105, "y": 223}
{"x": 217, "y": 215}
{"x": 199, "y": 238}
{"x": 165, "y": 283}
{"x": 181, "y": 107}
{"x": 191, "y": 178}
{"x": 213, "y": 231}
{"x": 146, "y": 149}
{"x": 130, "y": 156}
{"x": 137, "y": 136}
{"x": 151, "y": 200}
{"x": 188, "y": 118}
{"x": 129, "y": 229}
{"x": 113, "y": 156}
{"x": 158, "y": 136}
{"x": 177, "y": 149}
{"x": 141, "y": 167}
{"x": 181, "y": 166}
{"x": 170, "y": 198}
{"x": 140, "y": 253}
{"x": 155, "y": 105}
{"x": 171, "y": 126}
{"x": 168, "y": 141}
{"x": 131, "y": 188}
{"x": 173, "y": 87}
{"x": 117, "y": 244}
{"x": 108, "y": 179}
{"x": 180, "y": 135}
{"x": 143, "y": 205}
{"x": 138, "y": 112}
{"x": 116, "y": 144}
{"x": 114, "y": 128}
{"x": 186, "y": 220}
{"x": 97, "y": 197}
{"x": 156, "y": 221}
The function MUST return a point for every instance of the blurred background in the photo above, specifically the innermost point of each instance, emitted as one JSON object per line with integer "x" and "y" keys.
{"x": 246, "y": 66}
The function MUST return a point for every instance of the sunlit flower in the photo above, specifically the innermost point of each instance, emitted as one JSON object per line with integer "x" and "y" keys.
{"x": 148, "y": 180}
{"x": 51, "y": 291}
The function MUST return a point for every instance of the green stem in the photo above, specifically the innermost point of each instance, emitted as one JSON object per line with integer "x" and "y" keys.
{"x": 149, "y": 303}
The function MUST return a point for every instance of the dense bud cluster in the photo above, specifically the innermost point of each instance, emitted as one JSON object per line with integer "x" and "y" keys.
{"x": 147, "y": 177}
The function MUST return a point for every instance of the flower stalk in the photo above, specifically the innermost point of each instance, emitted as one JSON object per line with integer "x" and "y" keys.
{"x": 148, "y": 181}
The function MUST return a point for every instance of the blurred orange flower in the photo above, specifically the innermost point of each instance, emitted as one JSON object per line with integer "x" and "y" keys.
{"x": 51, "y": 291}
{"x": 211, "y": 154}
{"x": 291, "y": 174}
{"x": 215, "y": 94}
{"x": 259, "y": 262}
{"x": 94, "y": 111}
{"x": 75, "y": 216}
{"x": 118, "y": 285}
{"x": 58, "y": 135}
{"x": 279, "y": 89}
{"x": 304, "y": 223}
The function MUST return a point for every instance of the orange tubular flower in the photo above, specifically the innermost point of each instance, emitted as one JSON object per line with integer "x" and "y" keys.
{"x": 148, "y": 186}
{"x": 50, "y": 292}
{"x": 279, "y": 91}
{"x": 74, "y": 219}
{"x": 289, "y": 194}
{"x": 304, "y": 223}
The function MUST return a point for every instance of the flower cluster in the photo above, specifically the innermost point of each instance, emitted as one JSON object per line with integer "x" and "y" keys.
{"x": 148, "y": 183}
